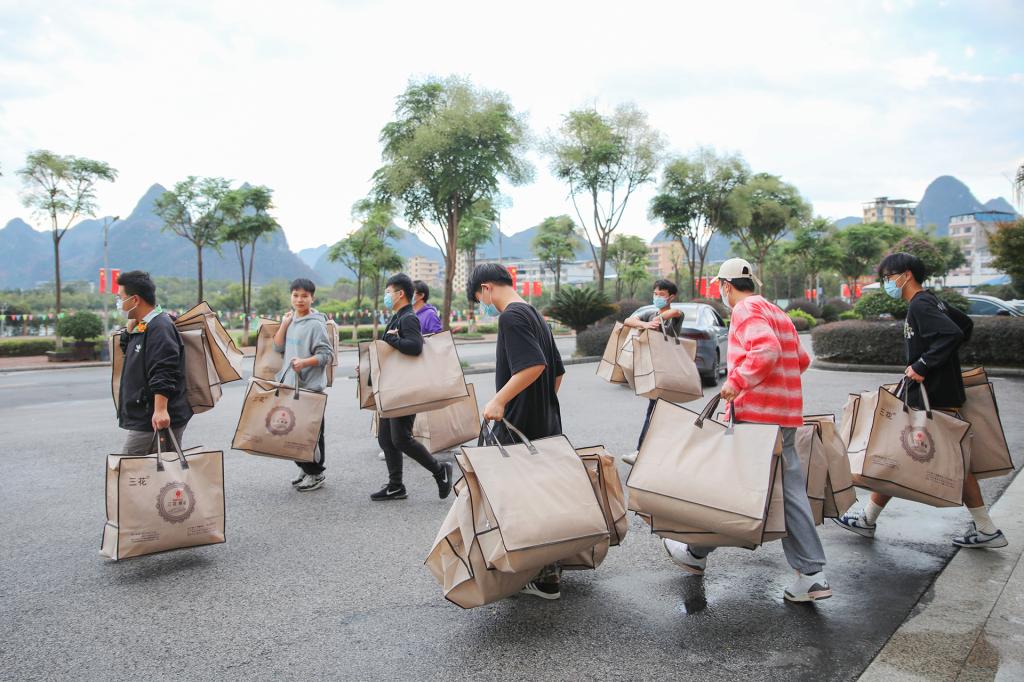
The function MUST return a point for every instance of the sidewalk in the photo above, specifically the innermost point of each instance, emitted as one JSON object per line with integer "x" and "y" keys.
{"x": 970, "y": 624}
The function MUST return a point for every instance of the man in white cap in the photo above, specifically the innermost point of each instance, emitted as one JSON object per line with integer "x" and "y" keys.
{"x": 763, "y": 386}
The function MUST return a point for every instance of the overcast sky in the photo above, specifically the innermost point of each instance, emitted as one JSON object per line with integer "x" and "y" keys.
{"x": 847, "y": 100}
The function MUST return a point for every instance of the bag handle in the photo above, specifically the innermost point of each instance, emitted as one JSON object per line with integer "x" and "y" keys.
{"x": 709, "y": 410}
{"x": 903, "y": 389}
{"x": 665, "y": 334}
{"x": 174, "y": 443}
{"x": 486, "y": 427}
{"x": 295, "y": 393}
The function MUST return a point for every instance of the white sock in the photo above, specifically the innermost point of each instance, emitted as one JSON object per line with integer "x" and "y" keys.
{"x": 982, "y": 521}
{"x": 871, "y": 512}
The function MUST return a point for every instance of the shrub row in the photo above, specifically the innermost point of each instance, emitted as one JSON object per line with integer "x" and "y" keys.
{"x": 19, "y": 348}
{"x": 877, "y": 304}
{"x": 591, "y": 341}
{"x": 996, "y": 341}
{"x": 802, "y": 320}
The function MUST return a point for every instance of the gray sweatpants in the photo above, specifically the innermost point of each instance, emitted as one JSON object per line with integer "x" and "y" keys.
{"x": 802, "y": 545}
{"x": 142, "y": 443}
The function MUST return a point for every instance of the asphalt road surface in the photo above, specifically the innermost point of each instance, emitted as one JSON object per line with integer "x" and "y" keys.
{"x": 329, "y": 585}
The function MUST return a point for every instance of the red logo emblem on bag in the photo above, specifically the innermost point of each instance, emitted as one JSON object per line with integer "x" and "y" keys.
{"x": 918, "y": 444}
{"x": 280, "y": 421}
{"x": 175, "y": 502}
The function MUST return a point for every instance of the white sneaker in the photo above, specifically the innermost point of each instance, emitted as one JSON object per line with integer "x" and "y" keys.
{"x": 311, "y": 482}
{"x": 297, "y": 481}
{"x": 857, "y": 523}
{"x": 380, "y": 455}
{"x": 681, "y": 556}
{"x": 630, "y": 459}
{"x": 808, "y": 588}
{"x": 976, "y": 539}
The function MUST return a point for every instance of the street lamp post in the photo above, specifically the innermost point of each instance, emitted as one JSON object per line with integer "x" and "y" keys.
{"x": 107, "y": 222}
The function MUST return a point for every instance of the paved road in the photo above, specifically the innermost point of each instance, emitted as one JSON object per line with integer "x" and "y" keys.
{"x": 329, "y": 585}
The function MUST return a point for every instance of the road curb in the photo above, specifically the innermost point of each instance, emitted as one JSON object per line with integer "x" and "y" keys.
{"x": 1009, "y": 372}
{"x": 52, "y": 366}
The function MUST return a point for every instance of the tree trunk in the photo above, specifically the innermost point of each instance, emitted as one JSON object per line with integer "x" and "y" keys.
{"x": 376, "y": 299}
{"x": 199, "y": 272}
{"x": 56, "y": 272}
{"x": 450, "y": 259}
{"x": 602, "y": 263}
{"x": 558, "y": 275}
{"x": 248, "y": 292}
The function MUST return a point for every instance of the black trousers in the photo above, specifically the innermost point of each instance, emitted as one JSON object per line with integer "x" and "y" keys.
{"x": 647, "y": 423}
{"x": 394, "y": 436}
{"x": 315, "y": 468}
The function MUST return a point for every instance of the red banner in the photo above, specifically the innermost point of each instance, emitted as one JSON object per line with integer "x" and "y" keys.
{"x": 114, "y": 274}
{"x": 103, "y": 281}
{"x": 536, "y": 289}
{"x": 513, "y": 270}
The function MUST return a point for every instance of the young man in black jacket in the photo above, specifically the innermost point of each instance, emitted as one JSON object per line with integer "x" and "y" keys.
{"x": 527, "y": 375}
{"x": 152, "y": 392}
{"x": 395, "y": 434}
{"x": 934, "y": 332}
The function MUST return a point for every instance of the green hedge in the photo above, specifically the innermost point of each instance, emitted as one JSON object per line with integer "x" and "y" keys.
{"x": 591, "y": 341}
{"x": 996, "y": 341}
{"x": 802, "y": 320}
{"x": 877, "y": 304}
{"x": 19, "y": 348}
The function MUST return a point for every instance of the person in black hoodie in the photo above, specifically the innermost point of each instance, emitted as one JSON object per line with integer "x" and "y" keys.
{"x": 934, "y": 332}
{"x": 394, "y": 435}
{"x": 152, "y": 392}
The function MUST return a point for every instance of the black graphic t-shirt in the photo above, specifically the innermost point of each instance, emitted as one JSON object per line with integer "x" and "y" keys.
{"x": 525, "y": 340}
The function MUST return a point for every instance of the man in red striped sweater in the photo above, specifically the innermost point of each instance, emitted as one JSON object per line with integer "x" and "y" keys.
{"x": 763, "y": 386}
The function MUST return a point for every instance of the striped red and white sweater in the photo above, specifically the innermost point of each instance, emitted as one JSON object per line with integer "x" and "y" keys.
{"x": 765, "y": 364}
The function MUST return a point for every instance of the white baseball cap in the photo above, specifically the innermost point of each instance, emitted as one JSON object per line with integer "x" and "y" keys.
{"x": 736, "y": 268}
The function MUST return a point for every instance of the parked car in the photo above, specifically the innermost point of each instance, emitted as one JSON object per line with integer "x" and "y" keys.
{"x": 979, "y": 304}
{"x": 703, "y": 324}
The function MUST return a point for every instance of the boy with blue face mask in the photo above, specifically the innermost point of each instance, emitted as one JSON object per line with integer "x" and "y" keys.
{"x": 661, "y": 314}
{"x": 934, "y": 332}
{"x": 394, "y": 434}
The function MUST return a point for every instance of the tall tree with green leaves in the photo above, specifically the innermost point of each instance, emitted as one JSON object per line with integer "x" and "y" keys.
{"x": 191, "y": 210}
{"x": 815, "y": 248}
{"x": 692, "y": 202}
{"x": 627, "y": 251}
{"x": 861, "y": 248}
{"x": 376, "y": 220}
{"x": 384, "y": 262}
{"x": 448, "y": 148}
{"x": 1007, "y": 246}
{"x": 62, "y": 188}
{"x": 556, "y": 242}
{"x": 245, "y": 216}
{"x": 604, "y": 160}
{"x": 760, "y": 213}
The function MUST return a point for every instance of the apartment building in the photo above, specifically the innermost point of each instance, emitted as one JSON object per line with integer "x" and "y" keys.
{"x": 901, "y": 212}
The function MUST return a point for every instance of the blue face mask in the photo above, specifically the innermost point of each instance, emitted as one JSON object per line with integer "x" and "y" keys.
{"x": 892, "y": 289}
{"x": 660, "y": 302}
{"x": 487, "y": 309}
{"x": 389, "y": 301}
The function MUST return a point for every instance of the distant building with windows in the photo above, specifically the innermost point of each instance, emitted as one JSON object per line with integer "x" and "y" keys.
{"x": 971, "y": 231}
{"x": 901, "y": 212}
{"x": 664, "y": 256}
{"x": 423, "y": 268}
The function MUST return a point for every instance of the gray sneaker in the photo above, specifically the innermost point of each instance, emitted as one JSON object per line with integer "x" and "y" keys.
{"x": 975, "y": 539}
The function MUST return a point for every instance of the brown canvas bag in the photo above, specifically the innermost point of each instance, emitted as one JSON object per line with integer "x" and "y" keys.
{"x": 409, "y": 384}
{"x": 604, "y": 478}
{"x": 153, "y": 505}
{"x": 839, "y": 491}
{"x": 364, "y": 392}
{"x": 811, "y": 450}
{"x": 608, "y": 369}
{"x": 225, "y": 355}
{"x": 440, "y": 430}
{"x": 268, "y": 361}
{"x": 695, "y": 472}
{"x": 280, "y": 420}
{"x": 990, "y": 453}
{"x": 897, "y": 450}
{"x": 625, "y": 358}
{"x": 664, "y": 367}
{"x": 538, "y": 498}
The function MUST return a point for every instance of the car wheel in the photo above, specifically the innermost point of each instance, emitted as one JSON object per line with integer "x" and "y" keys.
{"x": 711, "y": 378}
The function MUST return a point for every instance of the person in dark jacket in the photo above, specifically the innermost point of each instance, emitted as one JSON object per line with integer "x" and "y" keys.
{"x": 395, "y": 434}
{"x": 934, "y": 332}
{"x": 152, "y": 392}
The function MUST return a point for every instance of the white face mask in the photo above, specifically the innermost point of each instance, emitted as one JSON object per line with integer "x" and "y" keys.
{"x": 725, "y": 298}
{"x": 120, "y": 306}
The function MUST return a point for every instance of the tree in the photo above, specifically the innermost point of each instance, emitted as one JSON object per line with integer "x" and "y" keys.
{"x": 626, "y": 251}
{"x": 244, "y": 220}
{"x": 358, "y": 249}
{"x": 632, "y": 276}
{"x": 448, "y": 148}
{"x": 760, "y": 213}
{"x": 190, "y": 210}
{"x": 938, "y": 255}
{"x": 578, "y": 308}
{"x": 62, "y": 188}
{"x": 692, "y": 202}
{"x": 604, "y": 159}
{"x": 273, "y": 297}
{"x": 384, "y": 261}
{"x": 556, "y": 241}
{"x": 861, "y": 248}
{"x": 1007, "y": 247}
{"x": 815, "y": 248}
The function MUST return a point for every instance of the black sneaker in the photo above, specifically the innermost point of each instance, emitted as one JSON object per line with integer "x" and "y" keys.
{"x": 389, "y": 492}
{"x": 543, "y": 590}
{"x": 444, "y": 480}
{"x": 311, "y": 482}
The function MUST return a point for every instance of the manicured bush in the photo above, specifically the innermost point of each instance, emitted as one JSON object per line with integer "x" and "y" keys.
{"x": 801, "y": 320}
{"x": 849, "y": 315}
{"x": 877, "y": 304}
{"x": 578, "y": 308}
{"x": 625, "y": 308}
{"x": 81, "y": 326}
{"x": 953, "y": 298}
{"x": 833, "y": 308}
{"x": 809, "y": 307}
{"x": 996, "y": 342}
{"x": 591, "y": 342}
{"x": 19, "y": 348}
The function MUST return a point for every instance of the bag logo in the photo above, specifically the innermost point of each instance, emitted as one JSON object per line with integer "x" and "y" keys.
{"x": 175, "y": 503}
{"x": 280, "y": 421}
{"x": 918, "y": 444}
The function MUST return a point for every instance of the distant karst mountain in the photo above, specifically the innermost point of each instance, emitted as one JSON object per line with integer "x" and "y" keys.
{"x": 946, "y": 197}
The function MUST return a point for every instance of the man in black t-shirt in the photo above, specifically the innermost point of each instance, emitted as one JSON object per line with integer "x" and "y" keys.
{"x": 527, "y": 374}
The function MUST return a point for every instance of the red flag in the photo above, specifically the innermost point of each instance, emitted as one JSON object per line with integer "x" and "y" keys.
{"x": 846, "y": 291}
{"x": 114, "y": 274}
{"x": 536, "y": 289}
{"x": 103, "y": 281}
{"x": 860, "y": 290}
{"x": 513, "y": 270}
